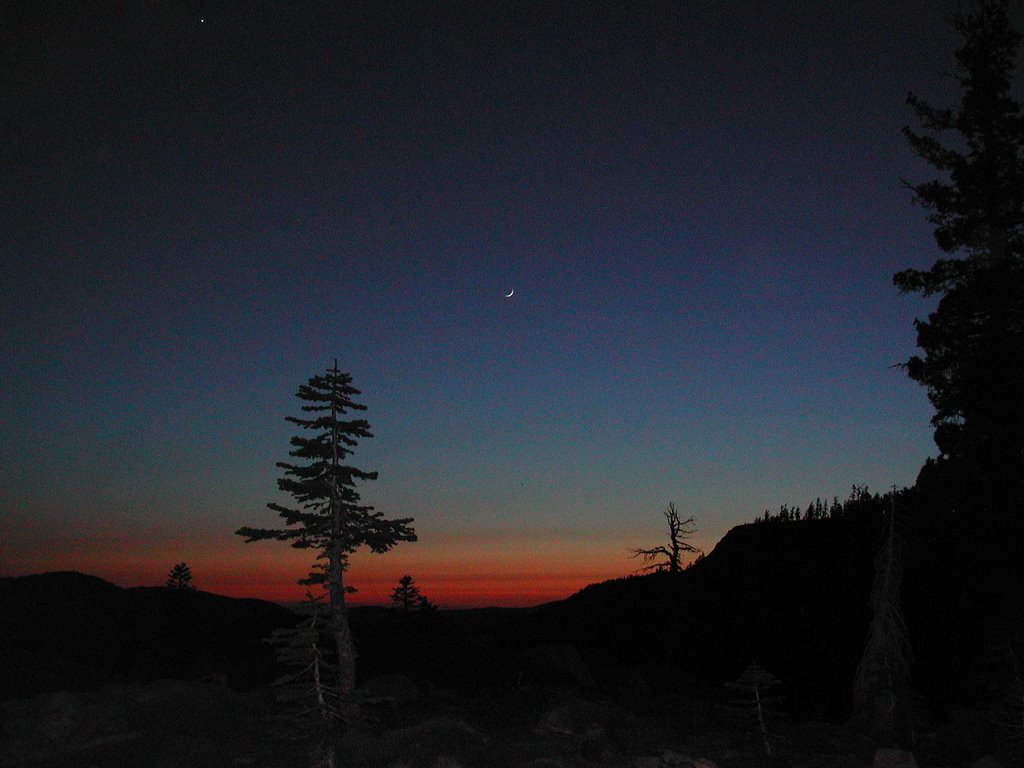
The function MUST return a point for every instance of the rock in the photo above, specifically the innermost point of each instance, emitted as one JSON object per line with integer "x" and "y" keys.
{"x": 579, "y": 718}
{"x": 986, "y": 762}
{"x": 430, "y": 743}
{"x": 703, "y": 762}
{"x": 27, "y": 673}
{"x": 189, "y": 723}
{"x": 396, "y": 687}
{"x": 443, "y": 660}
{"x": 554, "y": 664}
{"x": 53, "y": 724}
{"x": 542, "y": 762}
{"x": 894, "y": 758}
{"x": 670, "y": 759}
{"x": 623, "y": 684}
{"x": 595, "y": 746}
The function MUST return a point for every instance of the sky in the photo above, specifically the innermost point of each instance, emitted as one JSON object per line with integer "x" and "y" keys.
{"x": 698, "y": 206}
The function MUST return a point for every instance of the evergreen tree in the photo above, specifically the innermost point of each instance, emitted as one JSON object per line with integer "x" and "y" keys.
{"x": 835, "y": 510}
{"x": 328, "y": 516}
{"x": 972, "y": 361}
{"x": 180, "y": 577}
{"x": 406, "y": 596}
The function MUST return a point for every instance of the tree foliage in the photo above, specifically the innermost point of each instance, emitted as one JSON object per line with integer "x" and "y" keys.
{"x": 329, "y": 516}
{"x": 972, "y": 361}
{"x": 668, "y": 557}
{"x": 180, "y": 577}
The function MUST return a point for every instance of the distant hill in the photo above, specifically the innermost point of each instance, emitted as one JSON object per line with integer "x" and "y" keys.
{"x": 68, "y": 630}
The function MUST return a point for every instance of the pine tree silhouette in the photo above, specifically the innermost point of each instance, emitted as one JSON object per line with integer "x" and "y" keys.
{"x": 180, "y": 577}
{"x": 329, "y": 516}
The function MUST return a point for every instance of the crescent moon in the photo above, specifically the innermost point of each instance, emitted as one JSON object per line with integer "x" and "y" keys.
{"x": 509, "y": 294}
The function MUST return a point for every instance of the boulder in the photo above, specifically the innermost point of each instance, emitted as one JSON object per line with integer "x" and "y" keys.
{"x": 434, "y": 742}
{"x": 596, "y": 747}
{"x": 670, "y": 759}
{"x": 623, "y": 684}
{"x": 52, "y": 724}
{"x": 894, "y": 758}
{"x": 579, "y": 718}
{"x": 394, "y": 687}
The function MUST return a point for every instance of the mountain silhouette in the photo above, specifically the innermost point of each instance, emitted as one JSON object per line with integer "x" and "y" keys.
{"x": 69, "y": 630}
{"x": 793, "y": 597}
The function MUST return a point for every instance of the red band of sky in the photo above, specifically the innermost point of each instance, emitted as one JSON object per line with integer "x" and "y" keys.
{"x": 453, "y": 574}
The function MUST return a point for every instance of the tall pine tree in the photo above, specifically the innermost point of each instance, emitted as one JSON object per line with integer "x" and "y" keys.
{"x": 972, "y": 361}
{"x": 328, "y": 515}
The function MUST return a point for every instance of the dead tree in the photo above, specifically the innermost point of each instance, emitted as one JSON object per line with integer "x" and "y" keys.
{"x": 662, "y": 558}
{"x": 882, "y": 698}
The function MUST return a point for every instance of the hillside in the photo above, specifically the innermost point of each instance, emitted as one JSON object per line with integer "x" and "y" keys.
{"x": 792, "y": 597}
{"x": 68, "y": 630}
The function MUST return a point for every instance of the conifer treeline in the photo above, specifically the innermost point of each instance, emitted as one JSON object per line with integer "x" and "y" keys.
{"x": 861, "y": 502}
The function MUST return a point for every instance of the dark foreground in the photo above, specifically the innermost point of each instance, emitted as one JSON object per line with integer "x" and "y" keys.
{"x": 205, "y": 724}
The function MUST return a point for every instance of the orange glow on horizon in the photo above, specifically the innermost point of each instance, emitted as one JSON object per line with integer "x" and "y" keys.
{"x": 479, "y": 593}
{"x": 461, "y": 592}
{"x": 275, "y": 578}
{"x": 464, "y": 570}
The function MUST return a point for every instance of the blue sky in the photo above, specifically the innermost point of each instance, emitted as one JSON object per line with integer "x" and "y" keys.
{"x": 700, "y": 211}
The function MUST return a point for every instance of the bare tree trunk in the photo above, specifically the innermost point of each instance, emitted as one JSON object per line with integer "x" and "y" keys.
{"x": 883, "y": 701}
{"x": 674, "y": 533}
